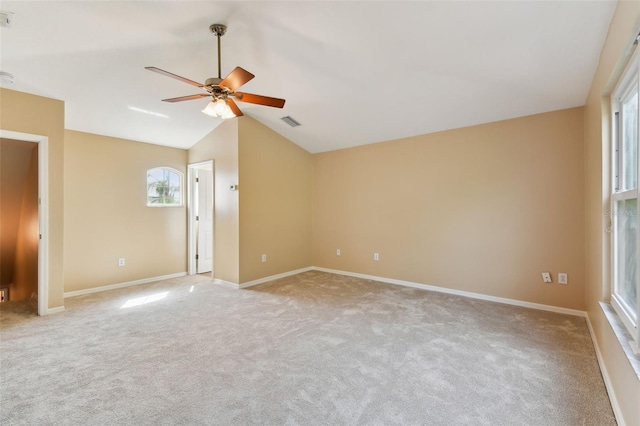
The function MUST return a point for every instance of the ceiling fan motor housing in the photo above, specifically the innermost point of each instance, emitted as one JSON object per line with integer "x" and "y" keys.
{"x": 213, "y": 81}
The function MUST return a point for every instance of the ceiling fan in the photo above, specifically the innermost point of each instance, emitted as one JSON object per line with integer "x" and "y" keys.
{"x": 222, "y": 90}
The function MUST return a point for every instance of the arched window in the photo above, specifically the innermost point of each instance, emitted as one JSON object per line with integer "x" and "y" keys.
{"x": 164, "y": 187}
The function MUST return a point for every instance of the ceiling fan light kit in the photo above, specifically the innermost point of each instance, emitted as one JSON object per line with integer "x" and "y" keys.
{"x": 219, "y": 108}
{"x": 222, "y": 90}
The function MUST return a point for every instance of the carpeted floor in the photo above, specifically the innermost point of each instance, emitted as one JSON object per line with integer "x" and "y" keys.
{"x": 312, "y": 349}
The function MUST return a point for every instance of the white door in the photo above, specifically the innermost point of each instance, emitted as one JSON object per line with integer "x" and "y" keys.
{"x": 205, "y": 221}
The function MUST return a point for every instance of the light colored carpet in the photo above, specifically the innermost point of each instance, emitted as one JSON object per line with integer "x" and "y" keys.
{"x": 312, "y": 349}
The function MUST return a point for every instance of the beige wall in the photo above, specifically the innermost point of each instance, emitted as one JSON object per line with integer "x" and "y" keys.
{"x": 26, "y": 263}
{"x": 483, "y": 209}
{"x": 106, "y": 216}
{"x": 624, "y": 27}
{"x": 275, "y": 202}
{"x": 25, "y": 113}
{"x": 221, "y": 145}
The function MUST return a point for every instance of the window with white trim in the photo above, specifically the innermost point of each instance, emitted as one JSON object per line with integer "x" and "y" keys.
{"x": 624, "y": 200}
{"x": 164, "y": 187}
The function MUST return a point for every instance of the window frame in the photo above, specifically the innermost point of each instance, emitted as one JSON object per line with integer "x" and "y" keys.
{"x": 627, "y": 84}
{"x": 180, "y": 201}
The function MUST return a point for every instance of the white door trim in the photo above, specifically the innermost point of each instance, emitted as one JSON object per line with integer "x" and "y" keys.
{"x": 43, "y": 212}
{"x": 191, "y": 215}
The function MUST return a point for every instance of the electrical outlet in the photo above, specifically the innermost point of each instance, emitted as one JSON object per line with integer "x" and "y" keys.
{"x": 546, "y": 277}
{"x": 563, "y": 278}
{"x": 121, "y": 261}
{"x": 376, "y": 256}
{"x": 338, "y": 252}
{"x": 264, "y": 258}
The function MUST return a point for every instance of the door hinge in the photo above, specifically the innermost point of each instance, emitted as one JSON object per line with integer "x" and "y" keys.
{"x": 196, "y": 257}
{"x": 197, "y": 217}
{"x": 40, "y": 236}
{"x": 197, "y": 180}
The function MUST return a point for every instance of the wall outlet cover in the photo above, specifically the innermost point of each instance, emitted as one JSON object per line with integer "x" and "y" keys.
{"x": 563, "y": 278}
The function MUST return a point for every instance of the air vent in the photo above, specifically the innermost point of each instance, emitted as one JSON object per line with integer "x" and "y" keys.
{"x": 290, "y": 121}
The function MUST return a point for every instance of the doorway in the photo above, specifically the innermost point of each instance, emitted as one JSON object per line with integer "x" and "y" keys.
{"x": 35, "y": 224}
{"x": 201, "y": 217}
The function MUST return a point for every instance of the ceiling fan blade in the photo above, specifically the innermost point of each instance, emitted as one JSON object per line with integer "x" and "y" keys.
{"x": 187, "y": 98}
{"x": 234, "y": 108}
{"x": 177, "y": 77}
{"x": 260, "y": 100}
{"x": 236, "y": 78}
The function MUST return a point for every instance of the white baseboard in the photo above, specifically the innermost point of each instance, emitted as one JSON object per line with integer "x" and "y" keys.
{"x": 338, "y": 272}
{"x": 229, "y": 284}
{"x": 121, "y": 285}
{"x": 51, "y": 311}
{"x": 480, "y": 296}
{"x": 457, "y": 292}
{"x": 617, "y": 412}
{"x": 274, "y": 277}
{"x": 224, "y": 283}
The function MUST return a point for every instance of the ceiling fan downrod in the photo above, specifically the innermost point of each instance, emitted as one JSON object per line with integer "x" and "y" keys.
{"x": 218, "y": 30}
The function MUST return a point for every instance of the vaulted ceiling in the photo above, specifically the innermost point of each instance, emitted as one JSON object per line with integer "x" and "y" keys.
{"x": 352, "y": 72}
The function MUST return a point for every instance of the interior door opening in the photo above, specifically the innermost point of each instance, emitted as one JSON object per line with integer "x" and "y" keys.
{"x": 201, "y": 217}
{"x": 24, "y": 211}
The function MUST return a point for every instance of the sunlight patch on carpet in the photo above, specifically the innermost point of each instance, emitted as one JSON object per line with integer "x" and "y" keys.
{"x": 144, "y": 300}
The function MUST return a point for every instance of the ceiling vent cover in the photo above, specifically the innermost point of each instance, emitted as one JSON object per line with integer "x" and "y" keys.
{"x": 290, "y": 121}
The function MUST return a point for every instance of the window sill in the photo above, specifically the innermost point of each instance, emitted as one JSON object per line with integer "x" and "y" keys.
{"x": 623, "y": 336}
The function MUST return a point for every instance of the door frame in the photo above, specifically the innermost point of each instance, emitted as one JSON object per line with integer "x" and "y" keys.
{"x": 191, "y": 213}
{"x": 43, "y": 212}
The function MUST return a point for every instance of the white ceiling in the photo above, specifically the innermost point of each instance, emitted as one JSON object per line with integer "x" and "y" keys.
{"x": 352, "y": 72}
